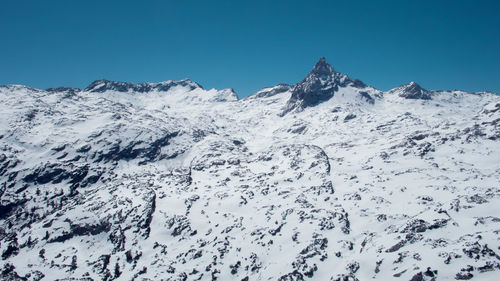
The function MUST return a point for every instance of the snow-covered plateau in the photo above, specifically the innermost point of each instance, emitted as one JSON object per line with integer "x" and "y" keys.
{"x": 327, "y": 179}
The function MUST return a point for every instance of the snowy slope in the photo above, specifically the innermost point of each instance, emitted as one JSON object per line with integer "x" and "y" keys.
{"x": 328, "y": 179}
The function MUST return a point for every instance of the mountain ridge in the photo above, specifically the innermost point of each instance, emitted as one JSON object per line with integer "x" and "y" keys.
{"x": 193, "y": 184}
{"x": 164, "y": 85}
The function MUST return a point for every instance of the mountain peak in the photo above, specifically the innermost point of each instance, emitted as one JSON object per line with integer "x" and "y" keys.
{"x": 319, "y": 86}
{"x": 413, "y": 91}
{"x": 413, "y": 85}
{"x": 322, "y": 68}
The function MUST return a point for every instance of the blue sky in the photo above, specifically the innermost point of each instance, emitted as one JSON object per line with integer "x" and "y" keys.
{"x": 248, "y": 45}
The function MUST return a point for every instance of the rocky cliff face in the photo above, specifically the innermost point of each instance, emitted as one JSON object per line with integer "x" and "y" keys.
{"x": 169, "y": 181}
{"x": 320, "y": 85}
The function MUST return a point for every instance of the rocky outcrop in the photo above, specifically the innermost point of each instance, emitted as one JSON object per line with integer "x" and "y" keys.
{"x": 319, "y": 86}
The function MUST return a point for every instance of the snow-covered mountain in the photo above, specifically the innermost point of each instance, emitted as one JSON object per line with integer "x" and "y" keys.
{"x": 328, "y": 179}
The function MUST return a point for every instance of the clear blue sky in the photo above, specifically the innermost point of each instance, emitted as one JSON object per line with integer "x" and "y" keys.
{"x": 248, "y": 45}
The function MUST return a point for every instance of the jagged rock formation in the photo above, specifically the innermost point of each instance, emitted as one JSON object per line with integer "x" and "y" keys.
{"x": 319, "y": 86}
{"x": 169, "y": 181}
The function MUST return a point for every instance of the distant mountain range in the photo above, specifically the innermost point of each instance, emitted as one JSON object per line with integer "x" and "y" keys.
{"x": 327, "y": 179}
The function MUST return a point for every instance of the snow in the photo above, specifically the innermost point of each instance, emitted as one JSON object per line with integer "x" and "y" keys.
{"x": 197, "y": 181}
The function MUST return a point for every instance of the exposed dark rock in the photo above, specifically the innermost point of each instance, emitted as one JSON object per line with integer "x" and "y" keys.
{"x": 319, "y": 86}
{"x": 12, "y": 247}
{"x": 117, "y": 237}
{"x": 316, "y": 248}
{"x": 149, "y": 209}
{"x": 418, "y": 277}
{"x": 415, "y": 225}
{"x": 101, "y": 86}
{"x": 56, "y": 173}
{"x": 84, "y": 148}
{"x": 179, "y": 224}
{"x": 353, "y": 267}
{"x": 472, "y": 133}
{"x": 377, "y": 266}
{"x": 396, "y": 247}
{"x": 235, "y": 267}
{"x": 59, "y": 148}
{"x": 101, "y": 267}
{"x": 136, "y": 149}
{"x": 81, "y": 230}
{"x": 5, "y": 210}
{"x": 8, "y": 273}
{"x": 464, "y": 276}
{"x": 438, "y": 223}
{"x": 413, "y": 91}
{"x": 418, "y": 137}
{"x": 333, "y": 218}
{"x": 425, "y": 148}
{"x": 489, "y": 266}
{"x": 409, "y": 239}
{"x": 292, "y": 276}
{"x": 349, "y": 116}
{"x": 345, "y": 277}
{"x": 477, "y": 251}
{"x": 367, "y": 97}
{"x": 476, "y": 198}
